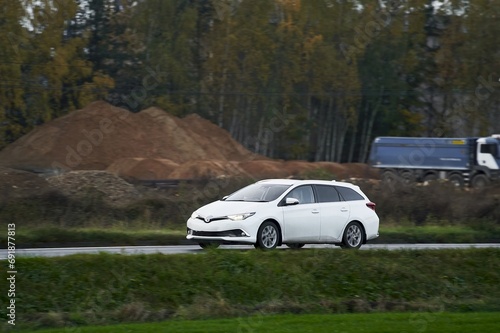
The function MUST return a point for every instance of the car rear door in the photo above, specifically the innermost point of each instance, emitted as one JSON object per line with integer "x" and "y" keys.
{"x": 334, "y": 213}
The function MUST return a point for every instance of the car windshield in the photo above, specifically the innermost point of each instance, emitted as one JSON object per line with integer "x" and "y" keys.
{"x": 258, "y": 193}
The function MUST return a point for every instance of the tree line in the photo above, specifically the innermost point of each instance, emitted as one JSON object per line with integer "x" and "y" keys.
{"x": 291, "y": 79}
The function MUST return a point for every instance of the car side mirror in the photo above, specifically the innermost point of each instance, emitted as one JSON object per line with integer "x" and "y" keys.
{"x": 291, "y": 201}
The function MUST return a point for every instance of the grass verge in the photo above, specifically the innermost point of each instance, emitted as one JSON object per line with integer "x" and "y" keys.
{"x": 483, "y": 322}
{"x": 70, "y": 237}
{"x": 109, "y": 289}
{"x": 29, "y": 237}
{"x": 438, "y": 234}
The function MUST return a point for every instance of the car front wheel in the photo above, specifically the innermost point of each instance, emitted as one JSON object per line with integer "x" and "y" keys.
{"x": 267, "y": 236}
{"x": 353, "y": 236}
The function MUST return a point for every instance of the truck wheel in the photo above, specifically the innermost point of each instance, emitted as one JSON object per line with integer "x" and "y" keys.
{"x": 480, "y": 181}
{"x": 390, "y": 177}
{"x": 407, "y": 177}
{"x": 430, "y": 177}
{"x": 456, "y": 179}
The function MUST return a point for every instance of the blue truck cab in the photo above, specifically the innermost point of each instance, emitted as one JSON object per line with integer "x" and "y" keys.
{"x": 464, "y": 161}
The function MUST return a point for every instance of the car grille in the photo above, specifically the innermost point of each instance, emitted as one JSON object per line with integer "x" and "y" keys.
{"x": 226, "y": 233}
{"x": 212, "y": 219}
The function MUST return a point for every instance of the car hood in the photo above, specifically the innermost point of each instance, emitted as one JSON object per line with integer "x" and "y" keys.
{"x": 224, "y": 208}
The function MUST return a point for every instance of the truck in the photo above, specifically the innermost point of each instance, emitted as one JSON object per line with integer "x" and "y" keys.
{"x": 469, "y": 161}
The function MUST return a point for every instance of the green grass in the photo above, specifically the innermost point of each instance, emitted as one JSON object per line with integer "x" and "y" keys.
{"x": 109, "y": 288}
{"x": 437, "y": 234}
{"x": 61, "y": 237}
{"x": 340, "y": 323}
{"x": 51, "y": 236}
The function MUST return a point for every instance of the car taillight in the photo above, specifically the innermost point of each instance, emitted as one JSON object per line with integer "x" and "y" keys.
{"x": 371, "y": 205}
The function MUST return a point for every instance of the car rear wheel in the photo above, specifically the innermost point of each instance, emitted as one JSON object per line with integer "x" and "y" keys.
{"x": 268, "y": 236}
{"x": 209, "y": 245}
{"x": 353, "y": 236}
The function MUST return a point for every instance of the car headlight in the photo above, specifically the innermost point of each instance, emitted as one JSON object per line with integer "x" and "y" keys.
{"x": 240, "y": 217}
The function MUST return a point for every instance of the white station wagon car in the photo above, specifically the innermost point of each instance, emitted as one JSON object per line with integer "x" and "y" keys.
{"x": 273, "y": 212}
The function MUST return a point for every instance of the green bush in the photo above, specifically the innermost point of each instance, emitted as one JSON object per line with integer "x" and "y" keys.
{"x": 436, "y": 203}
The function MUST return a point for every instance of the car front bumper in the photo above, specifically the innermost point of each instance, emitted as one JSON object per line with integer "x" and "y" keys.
{"x": 224, "y": 231}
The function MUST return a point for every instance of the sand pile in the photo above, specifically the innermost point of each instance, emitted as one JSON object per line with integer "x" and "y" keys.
{"x": 100, "y": 135}
{"x": 150, "y": 145}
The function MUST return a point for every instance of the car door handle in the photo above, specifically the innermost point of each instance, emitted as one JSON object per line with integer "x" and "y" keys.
{"x": 315, "y": 211}
{"x": 343, "y": 209}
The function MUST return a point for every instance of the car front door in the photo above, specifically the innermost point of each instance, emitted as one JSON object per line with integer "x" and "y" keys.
{"x": 302, "y": 221}
{"x": 334, "y": 213}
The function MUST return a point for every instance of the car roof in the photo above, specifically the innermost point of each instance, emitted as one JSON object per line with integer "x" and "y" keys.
{"x": 306, "y": 182}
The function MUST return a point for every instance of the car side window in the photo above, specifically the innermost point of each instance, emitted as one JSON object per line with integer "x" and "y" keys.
{"x": 349, "y": 194}
{"x": 304, "y": 194}
{"x": 327, "y": 193}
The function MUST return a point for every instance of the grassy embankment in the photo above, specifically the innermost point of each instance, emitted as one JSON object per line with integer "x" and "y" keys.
{"x": 483, "y": 322}
{"x": 110, "y": 289}
{"x": 413, "y": 214}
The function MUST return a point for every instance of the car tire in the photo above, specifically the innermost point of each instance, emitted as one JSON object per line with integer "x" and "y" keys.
{"x": 353, "y": 236}
{"x": 209, "y": 245}
{"x": 295, "y": 246}
{"x": 268, "y": 236}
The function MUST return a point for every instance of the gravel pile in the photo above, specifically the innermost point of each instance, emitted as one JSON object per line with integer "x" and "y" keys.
{"x": 84, "y": 183}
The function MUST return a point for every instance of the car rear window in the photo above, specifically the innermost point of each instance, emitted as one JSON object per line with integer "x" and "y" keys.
{"x": 327, "y": 193}
{"x": 349, "y": 194}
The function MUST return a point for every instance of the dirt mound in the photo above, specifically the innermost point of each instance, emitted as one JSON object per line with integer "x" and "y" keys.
{"x": 143, "y": 168}
{"x": 261, "y": 169}
{"x": 208, "y": 169}
{"x": 361, "y": 170}
{"x": 87, "y": 185}
{"x": 218, "y": 143}
{"x": 299, "y": 167}
{"x": 100, "y": 134}
{"x": 151, "y": 145}
{"x": 17, "y": 184}
{"x": 339, "y": 171}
